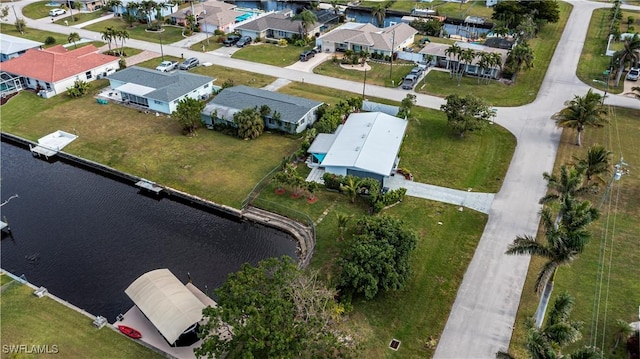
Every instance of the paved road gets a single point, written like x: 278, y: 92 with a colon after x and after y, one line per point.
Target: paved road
x: 483, y: 315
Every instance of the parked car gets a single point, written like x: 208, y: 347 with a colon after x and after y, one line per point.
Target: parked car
x: 633, y: 74
x: 417, y: 71
x: 244, y: 41
x: 57, y: 12
x: 189, y: 63
x: 409, y: 81
x: 306, y: 55
x: 166, y: 66
x: 231, y: 40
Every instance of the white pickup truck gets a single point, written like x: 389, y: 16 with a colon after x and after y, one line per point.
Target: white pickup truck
x: 166, y: 66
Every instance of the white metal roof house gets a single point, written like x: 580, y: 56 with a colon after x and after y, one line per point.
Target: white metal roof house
x: 367, y: 145
x: 296, y: 113
x: 367, y: 37
x: 12, y: 46
x: 159, y: 91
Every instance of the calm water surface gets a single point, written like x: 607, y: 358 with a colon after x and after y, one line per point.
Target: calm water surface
x: 86, y: 237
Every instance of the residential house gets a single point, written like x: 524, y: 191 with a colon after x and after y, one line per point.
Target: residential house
x: 367, y: 37
x: 51, y: 71
x: 12, y: 46
x: 436, y: 53
x: 295, y: 113
x: 159, y: 91
x: 167, y: 7
x: 212, y: 15
x: 87, y: 5
x: 276, y: 26
x: 365, y: 146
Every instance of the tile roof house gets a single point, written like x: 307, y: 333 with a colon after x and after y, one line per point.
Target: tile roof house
x: 296, y: 113
x: 212, y: 15
x: 12, y: 46
x: 440, y: 58
x: 365, y: 146
x: 367, y: 37
x: 159, y: 91
x: 51, y: 71
x: 276, y: 26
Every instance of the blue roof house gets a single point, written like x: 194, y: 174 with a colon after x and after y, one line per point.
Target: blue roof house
x: 296, y: 114
x: 159, y: 91
x: 12, y: 46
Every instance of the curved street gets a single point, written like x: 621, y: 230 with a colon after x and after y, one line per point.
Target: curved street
x: 483, y: 315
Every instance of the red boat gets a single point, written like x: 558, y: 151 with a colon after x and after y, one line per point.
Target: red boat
x: 130, y: 332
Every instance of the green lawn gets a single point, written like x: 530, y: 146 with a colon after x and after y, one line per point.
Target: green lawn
x: 593, y: 62
x: 527, y: 83
x: 169, y: 35
x: 220, y: 73
x: 212, y: 44
x: 461, y: 11
x: 378, y: 75
x: 4, y: 279
x: 38, y: 35
x: 80, y: 17
x: 29, y: 320
x: 270, y: 54
x: 211, y: 165
x: 621, y: 214
x: 37, y: 10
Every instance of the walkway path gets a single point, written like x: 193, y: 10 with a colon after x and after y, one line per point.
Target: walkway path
x: 483, y: 315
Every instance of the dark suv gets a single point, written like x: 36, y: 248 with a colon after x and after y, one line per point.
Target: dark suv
x: 244, y: 41
x: 307, y: 55
x: 231, y: 40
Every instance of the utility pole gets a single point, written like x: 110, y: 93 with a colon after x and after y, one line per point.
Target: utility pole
x: 17, y: 20
x: 393, y: 38
x: 204, y: 11
x: 364, y: 82
x: 161, y: 51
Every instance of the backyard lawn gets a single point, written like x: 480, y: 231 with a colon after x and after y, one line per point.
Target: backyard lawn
x: 619, y: 225
x: 29, y: 320
x: 271, y: 54
x: 593, y: 62
x: 526, y: 86
x: 211, y: 165
x: 378, y: 75
x: 170, y: 34
x: 221, y: 74
x: 39, y: 35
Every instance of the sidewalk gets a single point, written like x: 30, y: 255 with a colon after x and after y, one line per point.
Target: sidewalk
x: 87, y: 23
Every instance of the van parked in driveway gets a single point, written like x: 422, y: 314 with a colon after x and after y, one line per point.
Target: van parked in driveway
x: 305, y: 56
x: 57, y: 12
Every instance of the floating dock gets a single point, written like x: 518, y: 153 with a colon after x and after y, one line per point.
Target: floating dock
x: 149, y: 186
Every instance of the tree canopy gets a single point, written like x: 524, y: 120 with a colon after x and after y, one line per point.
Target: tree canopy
x: 467, y: 113
x: 275, y: 310
x: 188, y: 114
x: 377, y: 257
x: 511, y: 13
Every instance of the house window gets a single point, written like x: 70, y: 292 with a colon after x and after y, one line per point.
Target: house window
x: 88, y: 74
x: 48, y: 86
x: 157, y: 102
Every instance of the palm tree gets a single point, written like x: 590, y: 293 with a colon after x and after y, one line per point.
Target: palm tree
x: 307, y: 18
x: 596, y: 162
x: 123, y: 35
x: 334, y: 5
x: 130, y: 16
x: 559, y: 331
x: 561, y: 247
x: 343, y: 221
x: 73, y: 37
x: 484, y: 64
x: 569, y: 184
x: 630, y: 54
x: 467, y: 56
x: 622, y: 331
x: 108, y: 35
x: 450, y: 52
x: 379, y: 12
x: 496, y: 61
x: 351, y: 187
x: 113, y: 5
x: 521, y: 57
x: 582, y: 112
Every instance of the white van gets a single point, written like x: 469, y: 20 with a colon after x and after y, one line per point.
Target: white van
x: 57, y: 12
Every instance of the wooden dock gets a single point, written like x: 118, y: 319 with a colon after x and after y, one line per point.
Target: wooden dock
x: 149, y: 186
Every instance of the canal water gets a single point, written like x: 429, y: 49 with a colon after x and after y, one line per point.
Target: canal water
x: 86, y: 237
